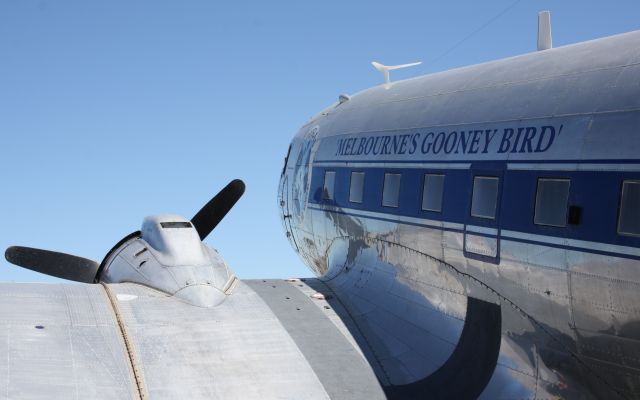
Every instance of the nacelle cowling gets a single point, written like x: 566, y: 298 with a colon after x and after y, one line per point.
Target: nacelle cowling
x: 170, y: 257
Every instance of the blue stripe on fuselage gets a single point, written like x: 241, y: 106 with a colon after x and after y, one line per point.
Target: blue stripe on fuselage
x: 596, y: 192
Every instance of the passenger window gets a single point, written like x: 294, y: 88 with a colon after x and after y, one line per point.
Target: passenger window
x: 329, y: 184
x: 391, y: 190
x: 432, y: 192
x: 629, y: 217
x: 485, y: 197
x: 552, y: 197
x: 356, y: 187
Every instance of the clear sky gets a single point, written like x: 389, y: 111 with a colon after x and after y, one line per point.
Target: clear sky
x: 114, y: 110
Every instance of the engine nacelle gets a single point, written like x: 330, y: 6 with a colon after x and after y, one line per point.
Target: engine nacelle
x: 170, y: 257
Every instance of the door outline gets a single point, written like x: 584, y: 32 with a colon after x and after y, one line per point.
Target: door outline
x: 285, y: 202
x: 484, y: 227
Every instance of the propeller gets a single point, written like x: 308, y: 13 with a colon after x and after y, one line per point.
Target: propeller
x: 74, y: 268
x: 52, y: 263
x: 214, y: 211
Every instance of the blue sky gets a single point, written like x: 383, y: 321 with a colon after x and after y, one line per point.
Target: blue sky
x: 114, y: 110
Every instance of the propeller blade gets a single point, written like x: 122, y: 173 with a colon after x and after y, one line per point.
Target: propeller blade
x: 52, y: 263
x: 214, y: 211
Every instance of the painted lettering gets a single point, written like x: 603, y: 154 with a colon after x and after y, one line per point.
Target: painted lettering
x: 475, y: 141
x: 544, y: 143
x: 376, y: 149
x: 529, y: 134
x: 368, y: 148
x: 426, y: 143
x: 438, y: 143
x: 488, y: 137
x: 450, y: 143
x: 529, y: 139
x: 414, y: 143
x: 505, y: 144
x: 462, y: 142
x: 340, y: 150
x: 515, y: 142
x: 385, y: 145
x: 403, y: 144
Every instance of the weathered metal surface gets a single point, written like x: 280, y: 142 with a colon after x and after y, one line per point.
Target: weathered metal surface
x: 238, y: 349
x: 340, y: 367
x: 63, y: 341
x: 60, y: 342
x: 129, y: 346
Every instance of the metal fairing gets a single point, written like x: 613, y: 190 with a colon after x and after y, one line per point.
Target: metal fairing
x: 447, y: 305
x: 174, y: 261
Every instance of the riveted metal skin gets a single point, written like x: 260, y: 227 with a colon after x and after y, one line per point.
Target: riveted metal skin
x: 567, y: 295
x: 169, y: 256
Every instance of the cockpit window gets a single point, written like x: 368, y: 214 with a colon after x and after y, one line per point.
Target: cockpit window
x: 485, y: 197
x: 329, y: 185
x: 175, y: 224
x: 629, y: 217
x: 391, y: 190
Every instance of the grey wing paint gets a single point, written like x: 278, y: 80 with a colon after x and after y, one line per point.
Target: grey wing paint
x: 63, y: 341
x: 403, y: 306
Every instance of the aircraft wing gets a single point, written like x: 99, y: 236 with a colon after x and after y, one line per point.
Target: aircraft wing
x: 270, y: 339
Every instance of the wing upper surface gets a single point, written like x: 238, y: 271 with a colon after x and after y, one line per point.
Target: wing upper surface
x: 269, y: 339
x: 60, y: 341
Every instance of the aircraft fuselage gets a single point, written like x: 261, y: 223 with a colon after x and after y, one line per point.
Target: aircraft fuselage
x: 513, y: 184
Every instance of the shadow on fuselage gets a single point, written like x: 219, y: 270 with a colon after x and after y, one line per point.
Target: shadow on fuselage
x: 370, y: 291
x: 473, y: 353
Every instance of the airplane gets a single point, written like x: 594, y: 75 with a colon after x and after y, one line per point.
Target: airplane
x: 474, y: 233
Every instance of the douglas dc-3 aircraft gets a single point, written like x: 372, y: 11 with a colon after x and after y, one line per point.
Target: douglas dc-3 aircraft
x: 475, y: 234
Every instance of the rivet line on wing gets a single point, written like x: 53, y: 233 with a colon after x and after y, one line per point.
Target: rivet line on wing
x: 128, y: 342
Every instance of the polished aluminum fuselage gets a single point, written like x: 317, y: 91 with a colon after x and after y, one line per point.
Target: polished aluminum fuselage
x: 568, y: 297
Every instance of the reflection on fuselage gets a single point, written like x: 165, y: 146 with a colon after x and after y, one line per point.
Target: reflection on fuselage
x: 496, y: 183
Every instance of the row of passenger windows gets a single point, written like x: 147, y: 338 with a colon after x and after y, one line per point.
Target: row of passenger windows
x: 551, y: 204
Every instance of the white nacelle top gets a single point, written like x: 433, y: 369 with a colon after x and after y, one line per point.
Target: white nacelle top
x: 169, y: 256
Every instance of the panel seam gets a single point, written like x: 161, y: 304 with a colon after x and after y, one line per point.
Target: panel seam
x: 128, y: 343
